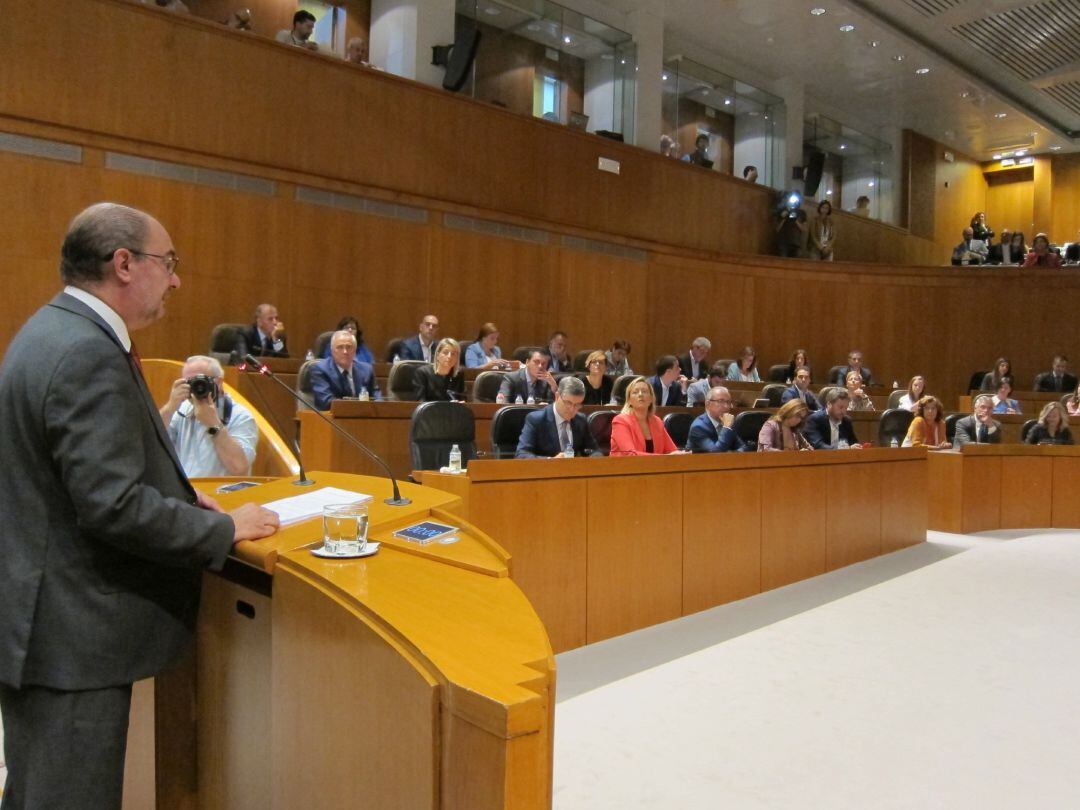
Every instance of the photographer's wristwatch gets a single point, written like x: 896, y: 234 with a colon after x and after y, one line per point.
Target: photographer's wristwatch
x: 215, y: 430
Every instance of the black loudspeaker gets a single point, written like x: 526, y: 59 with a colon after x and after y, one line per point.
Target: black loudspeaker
x: 457, y: 58
x: 814, y: 168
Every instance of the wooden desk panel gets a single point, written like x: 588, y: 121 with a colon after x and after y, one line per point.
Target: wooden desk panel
x: 793, y: 518
x: 721, y: 538
x: 904, y: 497
x: 634, y: 531
x: 852, y: 534
x: 1027, y: 493
x: 1065, y: 491
x: 981, y: 496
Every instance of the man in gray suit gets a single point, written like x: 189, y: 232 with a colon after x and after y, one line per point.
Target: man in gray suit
x: 980, y: 427
x: 102, y: 537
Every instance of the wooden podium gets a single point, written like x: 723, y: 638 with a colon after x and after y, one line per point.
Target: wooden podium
x: 420, y: 677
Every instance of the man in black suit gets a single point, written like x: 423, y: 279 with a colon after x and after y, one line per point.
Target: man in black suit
x: 549, y: 431
x: 103, y: 539
x: 561, y: 361
x: 531, y: 381
x: 826, y: 428
x: 341, y: 375
x: 800, y: 389
x: 854, y: 360
x: 1058, y: 378
x: 980, y: 427
x: 669, y: 383
x: 999, y: 252
x: 695, y: 363
x: 265, y: 337
x: 421, y: 346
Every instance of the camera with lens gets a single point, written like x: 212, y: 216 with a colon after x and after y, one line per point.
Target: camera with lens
x: 202, y: 386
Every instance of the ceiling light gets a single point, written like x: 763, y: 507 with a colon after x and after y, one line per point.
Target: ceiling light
x: 664, y: 77
x: 922, y: 71
x: 873, y: 43
x: 870, y: 184
x: 997, y: 156
x: 1021, y: 152
x: 607, y: 56
x: 533, y: 26
x: 567, y: 40
x: 817, y: 12
x: 843, y: 146
x: 1055, y: 148
x: 727, y: 102
x: 493, y: 11
x: 1000, y: 115
x: 965, y: 94
x: 622, y: 61
x: 898, y: 58
x: 704, y: 92
x: 1026, y: 161
x: 847, y: 28
x: 828, y: 193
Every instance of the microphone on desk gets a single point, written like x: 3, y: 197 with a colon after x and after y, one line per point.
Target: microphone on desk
x: 303, y: 481
x: 254, y: 363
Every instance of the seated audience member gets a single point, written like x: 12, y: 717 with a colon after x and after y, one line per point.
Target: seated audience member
x: 855, y: 363
x: 1000, y: 252
x: 1018, y: 249
x: 350, y: 324
x: 421, y: 345
x: 695, y: 363
x: 783, y: 430
x: 800, y: 358
x: 484, y: 352
x: 862, y: 206
x: 698, y: 392
x: 303, y: 26
x: 550, y: 430
x: 745, y: 368
x: 240, y: 20
x: 1041, y: 255
x: 1058, y: 377
x: 669, y: 383
x: 265, y: 337
x: 827, y: 428
x: 712, y: 431
x: 618, y: 364
x: 800, y: 389
x: 341, y: 375
x: 971, y: 250
x: 531, y: 381
x: 750, y: 174
x: 668, y: 146
x: 916, y: 390
x: 441, y: 381
x: 791, y: 231
x: 356, y: 52
x: 1052, y: 427
x: 598, y: 383
x: 637, y: 430
x: 992, y: 379
x: 1003, y: 402
x: 980, y: 427
x: 927, y: 429
x: 1072, y: 405
x: 859, y: 400
x: 700, y: 155
x: 213, y: 436
x: 561, y: 361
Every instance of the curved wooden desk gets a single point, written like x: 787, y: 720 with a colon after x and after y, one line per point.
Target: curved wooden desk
x: 603, y: 546
x: 419, y: 677
x: 993, y: 486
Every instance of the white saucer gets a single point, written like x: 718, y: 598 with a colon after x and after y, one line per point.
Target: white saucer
x: 369, y: 549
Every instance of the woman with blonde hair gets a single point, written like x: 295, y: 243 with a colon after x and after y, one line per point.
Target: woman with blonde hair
x: 783, y: 431
x: 1052, y: 427
x: 927, y: 429
x: 442, y: 380
x: 637, y: 430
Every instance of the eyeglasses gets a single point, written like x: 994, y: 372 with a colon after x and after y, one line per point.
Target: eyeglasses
x: 598, y: 363
x: 721, y: 401
x: 169, y: 260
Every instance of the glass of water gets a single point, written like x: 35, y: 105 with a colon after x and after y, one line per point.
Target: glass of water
x: 345, y: 528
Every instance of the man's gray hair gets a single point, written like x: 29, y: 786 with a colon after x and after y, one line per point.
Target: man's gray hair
x: 216, y: 371
x: 702, y: 343
x: 94, y: 235
x: 343, y: 333
x: 980, y: 398
x: 571, y: 386
x: 836, y: 393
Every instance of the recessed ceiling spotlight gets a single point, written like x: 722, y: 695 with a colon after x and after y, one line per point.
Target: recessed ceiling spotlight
x: 607, y: 56
x: 817, y: 12
x: 828, y: 193
x: 870, y: 184
x: 873, y: 43
x: 1021, y: 152
x: 664, y: 77
x: 898, y: 58
x: 843, y: 146
x: 622, y: 61
x: 567, y: 40
x: 997, y: 156
x: 494, y: 11
x: 1055, y: 148
x: 847, y: 28
x: 704, y: 92
x: 922, y: 71
x: 965, y: 94
x: 1000, y: 115
x: 727, y: 102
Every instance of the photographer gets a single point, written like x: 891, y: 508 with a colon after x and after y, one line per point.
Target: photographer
x: 791, y: 227
x: 213, y: 435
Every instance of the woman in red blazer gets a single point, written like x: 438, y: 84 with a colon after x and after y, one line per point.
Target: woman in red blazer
x: 638, y: 431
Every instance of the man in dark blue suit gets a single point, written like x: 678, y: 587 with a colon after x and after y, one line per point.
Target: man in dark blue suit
x: 341, y: 375
x: 669, y: 383
x: 548, y: 431
x: 801, y: 390
x: 712, y: 432
x: 421, y: 346
x: 825, y: 429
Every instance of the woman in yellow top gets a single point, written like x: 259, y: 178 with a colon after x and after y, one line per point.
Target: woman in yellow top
x: 928, y: 427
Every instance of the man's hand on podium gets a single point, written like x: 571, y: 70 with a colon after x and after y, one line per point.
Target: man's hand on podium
x: 253, y: 521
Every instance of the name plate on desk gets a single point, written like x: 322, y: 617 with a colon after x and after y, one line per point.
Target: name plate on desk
x: 426, y: 532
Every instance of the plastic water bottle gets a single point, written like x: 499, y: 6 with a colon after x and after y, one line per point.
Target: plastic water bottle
x: 455, y: 459
x: 530, y: 401
x: 568, y: 451
x: 518, y: 401
x: 894, y: 442
x: 310, y: 355
x: 842, y: 444
x: 364, y: 395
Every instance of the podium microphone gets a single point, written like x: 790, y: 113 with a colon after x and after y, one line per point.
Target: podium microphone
x: 303, y: 480
x: 397, y: 500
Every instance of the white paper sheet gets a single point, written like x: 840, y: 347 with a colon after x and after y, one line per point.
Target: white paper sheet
x: 310, y: 504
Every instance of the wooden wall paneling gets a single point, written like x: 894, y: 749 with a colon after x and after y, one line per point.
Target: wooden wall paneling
x: 918, y: 185
x: 1042, y: 217
x: 1010, y: 202
x: 789, y: 554
x: 1065, y: 197
x: 536, y: 536
x: 1066, y: 510
x: 904, y: 504
x: 627, y: 543
x: 721, y: 538
x: 1027, y: 493
x: 850, y: 536
x: 981, y: 495
x: 955, y: 203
